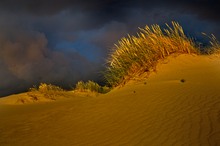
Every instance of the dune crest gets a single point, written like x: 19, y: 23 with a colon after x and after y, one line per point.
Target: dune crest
x: 179, y: 104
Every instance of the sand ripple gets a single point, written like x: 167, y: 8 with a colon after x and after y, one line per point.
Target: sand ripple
x: 164, y: 112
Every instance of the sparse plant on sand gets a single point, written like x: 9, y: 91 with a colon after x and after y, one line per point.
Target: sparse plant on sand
x: 215, y: 44
x: 91, y: 87
x: 47, y: 90
x: 135, y: 55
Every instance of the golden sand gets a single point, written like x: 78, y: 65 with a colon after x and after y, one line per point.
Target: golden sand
x: 177, y: 105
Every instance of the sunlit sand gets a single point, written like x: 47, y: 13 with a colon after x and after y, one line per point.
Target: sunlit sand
x: 177, y: 105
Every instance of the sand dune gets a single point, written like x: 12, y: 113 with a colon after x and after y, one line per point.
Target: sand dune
x: 160, y: 110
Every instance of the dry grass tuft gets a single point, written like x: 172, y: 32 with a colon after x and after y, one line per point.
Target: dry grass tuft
x: 46, y: 90
x: 91, y: 86
x: 215, y: 45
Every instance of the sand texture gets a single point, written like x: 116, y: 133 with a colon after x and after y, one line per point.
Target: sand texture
x: 179, y: 105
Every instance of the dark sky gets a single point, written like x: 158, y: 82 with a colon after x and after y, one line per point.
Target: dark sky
x: 63, y: 41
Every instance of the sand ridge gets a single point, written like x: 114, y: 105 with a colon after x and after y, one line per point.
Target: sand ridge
x: 160, y: 110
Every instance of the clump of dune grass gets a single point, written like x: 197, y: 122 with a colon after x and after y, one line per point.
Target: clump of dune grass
x: 46, y: 90
x: 91, y: 86
x: 135, y: 55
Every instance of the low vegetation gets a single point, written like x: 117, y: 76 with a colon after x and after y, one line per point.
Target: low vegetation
x: 215, y: 45
x: 47, y: 90
x: 135, y: 55
x: 52, y: 92
x: 91, y: 86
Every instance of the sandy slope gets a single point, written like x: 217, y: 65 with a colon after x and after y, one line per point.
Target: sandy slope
x: 159, y: 111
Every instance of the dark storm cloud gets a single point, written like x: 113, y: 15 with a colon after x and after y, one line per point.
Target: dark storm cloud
x: 25, y: 60
x: 63, y: 41
x: 111, y: 8
x: 47, y: 7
